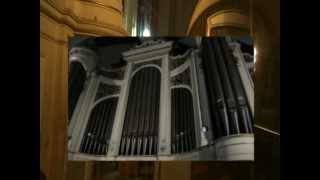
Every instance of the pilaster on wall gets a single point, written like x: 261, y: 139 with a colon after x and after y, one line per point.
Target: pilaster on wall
x: 60, y: 20
x: 54, y: 91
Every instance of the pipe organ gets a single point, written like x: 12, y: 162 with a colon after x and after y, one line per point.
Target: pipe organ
x: 191, y: 106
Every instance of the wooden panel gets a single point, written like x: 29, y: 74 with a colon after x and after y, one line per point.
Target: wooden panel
x: 178, y: 170
x: 129, y: 169
x: 222, y: 170
x: 76, y: 170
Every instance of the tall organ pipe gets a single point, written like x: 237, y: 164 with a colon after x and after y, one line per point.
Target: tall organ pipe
x: 91, y: 134
x: 138, y: 113
x: 98, y: 130
x: 228, y: 92
x: 86, y: 138
x: 145, y: 128
x: 107, y: 133
x: 102, y: 126
x: 95, y: 129
x: 142, y: 114
x: 244, y: 112
x: 216, y: 95
x: 155, y: 119
x: 182, y: 129
x: 140, y: 127
x: 132, y: 118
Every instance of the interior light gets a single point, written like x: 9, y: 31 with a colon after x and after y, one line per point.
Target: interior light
x: 146, y: 32
x: 255, y: 52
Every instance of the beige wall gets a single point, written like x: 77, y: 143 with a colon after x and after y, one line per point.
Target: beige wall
x: 60, y: 20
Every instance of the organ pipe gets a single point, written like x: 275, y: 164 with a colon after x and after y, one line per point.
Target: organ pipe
x: 139, y: 136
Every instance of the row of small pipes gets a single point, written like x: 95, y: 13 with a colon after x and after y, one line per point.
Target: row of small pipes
x: 98, y: 130
x: 182, y: 121
x: 140, y: 132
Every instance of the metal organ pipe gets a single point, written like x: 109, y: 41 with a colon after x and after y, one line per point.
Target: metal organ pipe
x: 182, y: 121
x: 142, y: 145
x: 155, y: 118
x: 107, y: 133
x: 225, y: 89
x: 98, y: 131
x: 140, y: 128
x: 228, y: 92
x: 137, y: 115
x: 213, y: 80
x: 127, y: 122
x: 242, y: 103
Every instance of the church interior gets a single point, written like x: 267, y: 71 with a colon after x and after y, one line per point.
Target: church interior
x: 62, y: 20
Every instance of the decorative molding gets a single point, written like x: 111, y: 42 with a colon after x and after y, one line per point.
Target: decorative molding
x: 54, y: 30
x: 180, y: 56
x: 46, y: 36
x: 91, y: 107
x: 100, y: 4
x: 84, y: 56
x: 149, y: 42
x: 109, y: 81
x: 182, y: 86
x: 180, y: 69
x: 147, y: 51
x: 79, y: 24
x: 145, y: 66
x: 228, y: 18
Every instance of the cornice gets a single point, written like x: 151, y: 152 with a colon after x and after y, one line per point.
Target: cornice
x: 79, y: 24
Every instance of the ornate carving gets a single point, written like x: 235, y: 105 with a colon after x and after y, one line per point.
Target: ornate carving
x: 81, y: 22
x: 149, y: 42
x: 182, y: 78
x: 176, y: 61
x: 155, y: 62
x: 117, y: 74
x: 106, y: 89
